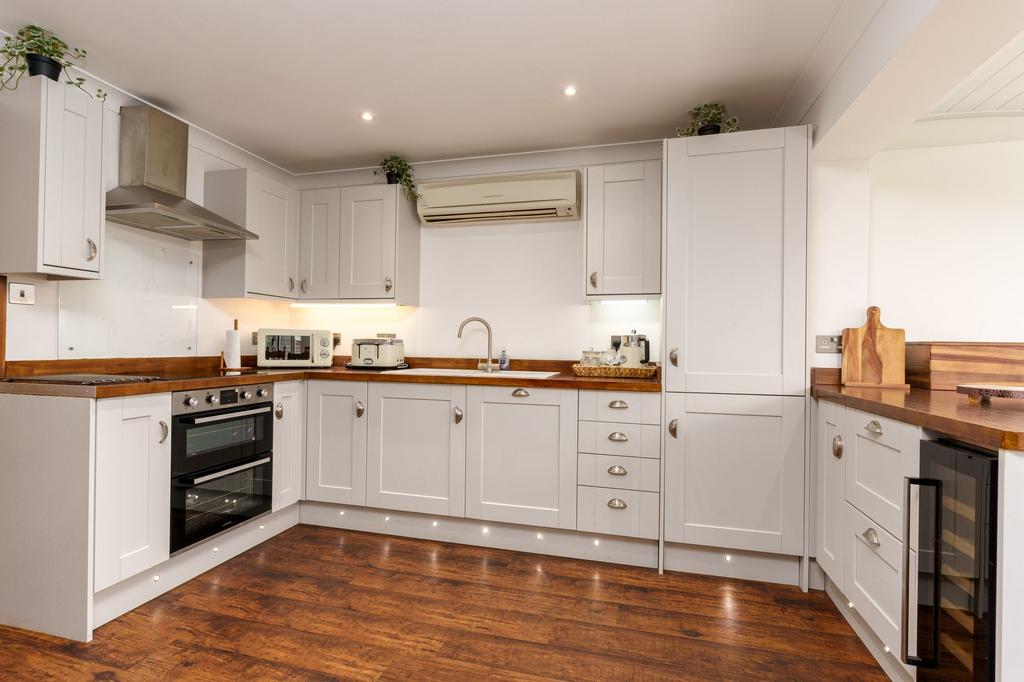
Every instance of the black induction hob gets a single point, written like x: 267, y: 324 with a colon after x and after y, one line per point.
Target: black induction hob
x: 84, y: 379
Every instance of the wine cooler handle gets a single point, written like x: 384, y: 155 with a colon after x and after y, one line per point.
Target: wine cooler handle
x: 933, y: 660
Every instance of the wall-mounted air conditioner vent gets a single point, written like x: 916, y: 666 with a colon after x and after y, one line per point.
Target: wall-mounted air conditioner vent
x: 509, y: 199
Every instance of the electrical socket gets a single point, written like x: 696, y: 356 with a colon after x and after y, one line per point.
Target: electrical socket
x: 22, y: 294
x: 828, y: 344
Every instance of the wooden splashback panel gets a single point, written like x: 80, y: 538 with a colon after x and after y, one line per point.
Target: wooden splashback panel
x: 942, y: 365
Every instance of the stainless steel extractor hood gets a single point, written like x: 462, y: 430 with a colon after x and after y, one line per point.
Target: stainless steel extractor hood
x: 152, y: 172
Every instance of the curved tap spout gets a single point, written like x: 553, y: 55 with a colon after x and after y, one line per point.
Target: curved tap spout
x: 488, y: 367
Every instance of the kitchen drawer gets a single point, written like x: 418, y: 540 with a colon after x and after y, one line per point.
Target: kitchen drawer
x: 632, y: 473
x: 879, y: 453
x: 636, y: 516
x: 520, y: 396
x: 610, y: 438
x: 620, y: 406
x: 873, y: 575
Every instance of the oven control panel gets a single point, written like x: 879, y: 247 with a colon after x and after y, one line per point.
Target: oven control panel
x: 209, y: 399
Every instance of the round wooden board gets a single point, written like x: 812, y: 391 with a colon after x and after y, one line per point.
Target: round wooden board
x: 985, y: 392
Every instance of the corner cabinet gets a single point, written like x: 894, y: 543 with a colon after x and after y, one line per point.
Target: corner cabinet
x: 336, y: 441
x: 264, y: 267
x: 133, y: 492
x: 416, y: 448
x: 623, y: 227
x: 289, y: 442
x: 51, y: 182
x: 521, y: 455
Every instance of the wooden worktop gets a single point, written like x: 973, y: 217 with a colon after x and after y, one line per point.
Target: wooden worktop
x: 189, y: 375
x: 999, y: 424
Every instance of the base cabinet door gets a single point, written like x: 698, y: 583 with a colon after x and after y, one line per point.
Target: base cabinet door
x: 416, y: 448
x: 133, y: 486
x: 336, y: 424
x: 289, y: 442
x: 521, y: 455
x: 734, y: 471
x: 831, y: 501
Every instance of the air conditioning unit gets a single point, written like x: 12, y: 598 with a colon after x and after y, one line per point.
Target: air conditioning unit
x: 537, y: 197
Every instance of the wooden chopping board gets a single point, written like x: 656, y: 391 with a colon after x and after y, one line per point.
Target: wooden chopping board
x: 874, y: 355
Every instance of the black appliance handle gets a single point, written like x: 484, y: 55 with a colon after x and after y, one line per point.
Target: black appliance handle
x: 225, y: 472
x: 933, y: 660
x: 227, y: 415
x: 647, y: 351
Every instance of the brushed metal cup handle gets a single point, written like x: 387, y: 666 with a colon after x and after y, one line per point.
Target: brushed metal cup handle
x: 673, y: 357
x: 874, y: 427
x: 388, y: 284
x: 673, y: 428
x: 279, y: 410
x: 164, y: 431
x: 616, y: 503
x: 618, y: 405
x: 520, y: 393
x: 837, y: 447
x: 618, y: 437
x: 303, y: 286
x: 93, y: 250
x: 617, y: 470
x: 459, y: 414
x: 291, y: 284
x: 360, y: 408
x: 593, y: 279
x: 871, y: 535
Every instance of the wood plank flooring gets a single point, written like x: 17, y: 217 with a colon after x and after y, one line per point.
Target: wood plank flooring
x: 319, y: 603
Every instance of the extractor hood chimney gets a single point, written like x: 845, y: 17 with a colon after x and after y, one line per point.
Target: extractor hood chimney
x: 151, y: 175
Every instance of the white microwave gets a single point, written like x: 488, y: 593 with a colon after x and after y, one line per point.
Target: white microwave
x: 294, y: 348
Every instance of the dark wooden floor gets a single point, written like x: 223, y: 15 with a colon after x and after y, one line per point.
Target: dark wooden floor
x: 317, y: 603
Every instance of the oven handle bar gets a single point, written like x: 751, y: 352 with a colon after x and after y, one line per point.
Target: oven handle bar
x: 230, y: 415
x: 227, y: 472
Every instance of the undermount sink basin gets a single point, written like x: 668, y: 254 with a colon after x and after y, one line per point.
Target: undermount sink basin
x: 477, y: 373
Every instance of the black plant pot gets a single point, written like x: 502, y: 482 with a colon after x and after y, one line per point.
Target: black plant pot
x: 709, y: 129
x: 392, y: 178
x: 38, y: 65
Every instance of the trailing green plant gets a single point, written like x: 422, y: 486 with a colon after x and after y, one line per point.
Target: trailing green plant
x: 711, y: 113
x: 402, y: 170
x: 34, y: 39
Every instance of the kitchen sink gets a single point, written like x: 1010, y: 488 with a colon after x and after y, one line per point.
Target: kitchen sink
x: 433, y: 372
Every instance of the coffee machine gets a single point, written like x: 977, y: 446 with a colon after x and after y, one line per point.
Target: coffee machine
x: 634, y: 349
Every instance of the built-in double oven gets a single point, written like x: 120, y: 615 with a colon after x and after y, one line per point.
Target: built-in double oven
x: 221, y: 460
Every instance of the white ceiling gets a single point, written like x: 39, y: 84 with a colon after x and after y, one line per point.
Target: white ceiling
x: 288, y: 79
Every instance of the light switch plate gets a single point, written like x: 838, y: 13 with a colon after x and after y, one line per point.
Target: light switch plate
x: 828, y: 344
x: 22, y: 294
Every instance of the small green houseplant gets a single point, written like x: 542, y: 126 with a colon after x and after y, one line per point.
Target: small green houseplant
x: 398, y: 171
x: 709, y: 119
x: 39, y: 52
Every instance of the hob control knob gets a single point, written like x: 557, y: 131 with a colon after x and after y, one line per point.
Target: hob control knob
x: 246, y: 395
x: 213, y: 399
x: 261, y: 393
x: 190, y: 401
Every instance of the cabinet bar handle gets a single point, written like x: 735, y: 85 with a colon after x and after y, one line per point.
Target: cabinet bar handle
x: 617, y: 470
x: 618, y: 437
x: 871, y: 535
x: 360, y: 408
x: 673, y: 357
x: 837, y: 447
x: 279, y: 411
x: 618, y: 405
x: 93, y: 250
x: 458, y: 415
x: 593, y: 279
x: 673, y: 428
x: 616, y: 503
x: 388, y: 284
x: 164, y: 431
x: 874, y: 427
x: 520, y: 393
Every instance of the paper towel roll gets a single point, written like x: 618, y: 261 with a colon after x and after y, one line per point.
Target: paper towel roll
x: 232, y: 349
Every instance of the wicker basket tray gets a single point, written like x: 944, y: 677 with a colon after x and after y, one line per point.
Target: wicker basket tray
x: 615, y: 372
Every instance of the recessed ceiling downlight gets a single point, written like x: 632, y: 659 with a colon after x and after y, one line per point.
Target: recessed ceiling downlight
x: 570, y: 90
x: 366, y: 116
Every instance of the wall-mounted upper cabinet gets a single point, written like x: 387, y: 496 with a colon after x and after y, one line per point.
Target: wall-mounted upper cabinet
x: 319, y: 243
x: 264, y: 267
x: 624, y: 229
x: 51, y: 180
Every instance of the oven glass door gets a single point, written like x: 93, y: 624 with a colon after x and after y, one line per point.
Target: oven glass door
x: 290, y: 347
x: 205, y: 441
x: 205, y: 505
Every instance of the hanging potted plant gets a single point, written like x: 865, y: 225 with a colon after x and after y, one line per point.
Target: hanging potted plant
x: 398, y: 171
x: 709, y: 119
x: 39, y: 52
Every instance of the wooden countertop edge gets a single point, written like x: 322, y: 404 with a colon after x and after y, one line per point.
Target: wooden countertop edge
x: 966, y: 430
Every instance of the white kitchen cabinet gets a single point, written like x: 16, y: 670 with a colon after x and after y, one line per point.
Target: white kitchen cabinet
x: 521, y: 455
x: 289, y: 442
x: 416, y: 448
x: 736, y: 226
x: 620, y: 406
x: 267, y: 266
x: 734, y: 471
x: 319, y: 243
x: 133, y: 491
x: 624, y: 228
x: 831, y: 499
x: 612, y: 511
x: 51, y: 181
x: 336, y: 429
x: 380, y: 245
